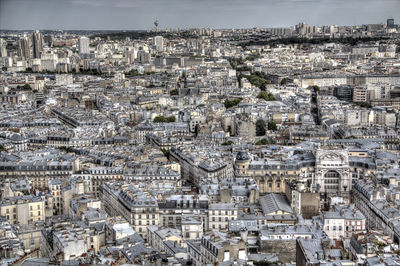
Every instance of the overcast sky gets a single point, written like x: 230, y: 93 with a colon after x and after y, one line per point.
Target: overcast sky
x: 140, y: 14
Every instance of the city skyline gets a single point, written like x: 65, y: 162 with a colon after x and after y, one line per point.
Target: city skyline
x: 139, y: 15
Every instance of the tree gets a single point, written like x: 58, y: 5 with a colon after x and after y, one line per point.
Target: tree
x: 260, y: 127
x: 132, y: 73
x: 227, y: 143
x: 257, y: 81
x: 163, y: 119
x: 171, y: 119
x: 244, y: 69
x: 272, y: 126
x: 26, y: 87
x: 174, y: 92
x: 2, y: 148
x: 252, y: 57
x: 284, y: 81
x: 231, y: 103
x: 315, y: 88
x: 267, y: 96
x: 364, y: 104
x: 159, y: 119
x: 263, y: 141
x: 166, y: 152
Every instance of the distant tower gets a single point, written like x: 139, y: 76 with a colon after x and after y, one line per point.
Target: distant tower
x: 37, y: 41
x: 156, y: 23
x: 158, y: 42
x: 390, y: 23
x: 3, y: 48
x: 24, y: 47
x: 84, y: 45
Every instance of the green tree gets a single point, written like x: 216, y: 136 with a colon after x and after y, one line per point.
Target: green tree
x: 244, y: 68
x: 284, y: 81
x: 166, y: 152
x: 2, y: 148
x: 314, y: 88
x: 174, y: 92
x: 171, y: 119
x: 132, y: 73
x: 26, y: 87
x: 231, y: 103
x: 159, y: 119
x: 267, y: 96
x: 364, y: 104
x: 227, y: 143
x: 272, y: 126
x: 163, y: 119
x: 252, y: 57
x: 262, y: 141
x: 260, y: 127
x: 256, y: 81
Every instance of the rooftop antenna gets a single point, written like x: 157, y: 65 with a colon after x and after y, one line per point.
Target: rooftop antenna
x: 156, y: 23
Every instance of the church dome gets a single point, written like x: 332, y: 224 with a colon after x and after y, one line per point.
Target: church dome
x: 242, y: 156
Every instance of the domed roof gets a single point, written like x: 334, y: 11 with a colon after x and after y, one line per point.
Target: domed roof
x: 242, y: 156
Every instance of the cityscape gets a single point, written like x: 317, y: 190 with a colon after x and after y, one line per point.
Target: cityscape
x: 200, y: 145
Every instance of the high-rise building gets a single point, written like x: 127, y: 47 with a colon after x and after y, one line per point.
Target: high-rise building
x: 3, y: 48
x: 158, y: 42
x: 37, y: 44
x: 24, y: 48
x: 390, y: 23
x: 84, y: 45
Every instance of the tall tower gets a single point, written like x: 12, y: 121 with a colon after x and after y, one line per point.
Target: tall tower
x: 24, y: 48
x: 3, y: 48
x: 37, y: 43
x: 156, y: 23
x: 390, y: 23
x: 84, y: 45
x: 158, y: 42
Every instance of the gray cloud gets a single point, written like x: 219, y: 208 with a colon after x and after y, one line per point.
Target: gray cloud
x: 139, y: 14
